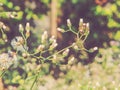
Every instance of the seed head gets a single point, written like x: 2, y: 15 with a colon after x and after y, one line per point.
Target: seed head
x: 21, y: 29
x: 7, y: 59
x: 18, y: 43
x: 40, y: 48
x: 69, y: 23
x: 27, y: 27
x: 65, y: 53
x: 61, y: 30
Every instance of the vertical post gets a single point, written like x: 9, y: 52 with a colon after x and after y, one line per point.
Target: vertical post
x: 53, y: 18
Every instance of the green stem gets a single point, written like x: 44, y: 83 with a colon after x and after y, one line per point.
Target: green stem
x: 59, y: 51
x: 24, y: 40
x: 2, y: 73
x: 86, y: 35
x: 72, y: 30
x: 34, y: 82
x: 41, y: 52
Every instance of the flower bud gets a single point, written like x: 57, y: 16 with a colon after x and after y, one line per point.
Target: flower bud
x: 65, y: 53
x: 87, y: 28
x: 52, y: 39
x: 80, y: 22
x: 21, y: 29
x: 27, y: 27
x: 76, y: 47
x: 54, y: 60
x: 40, y: 48
x: 61, y: 30
x: 69, y: 23
x: 4, y: 27
x: 53, y: 46
x: 95, y: 48
x: 71, y: 61
x: 25, y: 55
x: 87, y: 25
x: 27, y: 34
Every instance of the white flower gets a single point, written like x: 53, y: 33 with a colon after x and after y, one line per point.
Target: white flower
x: 18, y: 43
x: 71, y: 61
x: 52, y: 39
x: 95, y: 48
x: 60, y: 29
x: 7, y: 59
x: 69, y: 23
x: 53, y: 45
x: 21, y: 29
x: 40, y: 48
x: 66, y: 52
x: 27, y: 27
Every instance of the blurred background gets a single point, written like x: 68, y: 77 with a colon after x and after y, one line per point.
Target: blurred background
x: 103, y: 16
x: 47, y: 15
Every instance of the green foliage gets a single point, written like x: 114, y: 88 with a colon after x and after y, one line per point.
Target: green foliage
x: 45, y: 1
x: 117, y: 36
x: 74, y: 1
x: 107, y: 10
x: 43, y: 65
x: 31, y: 66
x: 113, y: 24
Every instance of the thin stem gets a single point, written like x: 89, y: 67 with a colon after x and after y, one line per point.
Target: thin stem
x: 24, y: 40
x: 66, y: 31
x: 2, y: 73
x: 34, y: 82
x: 41, y: 52
x: 32, y: 54
x: 86, y: 35
x: 44, y: 52
x: 59, y: 51
x: 86, y: 50
x: 72, y: 30
x: 38, y: 57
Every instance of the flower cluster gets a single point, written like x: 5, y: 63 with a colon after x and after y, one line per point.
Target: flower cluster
x: 18, y: 43
x: 7, y: 59
x: 45, y: 53
x: 83, y: 27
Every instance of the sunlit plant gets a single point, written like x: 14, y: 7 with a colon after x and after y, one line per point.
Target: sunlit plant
x: 46, y: 51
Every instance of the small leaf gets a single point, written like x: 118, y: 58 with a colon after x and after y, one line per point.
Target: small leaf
x: 114, y: 8
x: 117, y: 36
x: 10, y: 5
x: 74, y: 1
x: 98, y: 10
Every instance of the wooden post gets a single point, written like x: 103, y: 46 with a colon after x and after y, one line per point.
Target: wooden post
x: 53, y: 18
